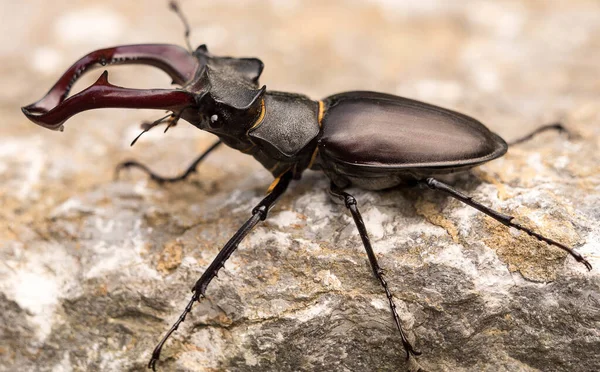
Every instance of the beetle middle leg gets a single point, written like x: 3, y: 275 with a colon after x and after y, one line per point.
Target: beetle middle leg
x: 350, y: 203
x: 192, y: 168
x: 506, y: 220
x: 259, y: 213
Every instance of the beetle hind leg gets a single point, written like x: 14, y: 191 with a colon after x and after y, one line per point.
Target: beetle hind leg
x: 192, y: 168
x: 506, y: 220
x: 350, y: 203
x: 559, y: 127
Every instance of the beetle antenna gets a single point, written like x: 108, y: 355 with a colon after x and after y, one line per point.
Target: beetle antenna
x: 175, y: 7
x: 172, y: 121
x: 147, y: 126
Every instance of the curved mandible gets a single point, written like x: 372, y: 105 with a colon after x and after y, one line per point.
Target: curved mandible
x: 102, y: 94
x: 177, y: 62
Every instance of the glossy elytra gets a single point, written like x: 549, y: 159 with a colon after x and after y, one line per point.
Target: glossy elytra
x: 365, y: 139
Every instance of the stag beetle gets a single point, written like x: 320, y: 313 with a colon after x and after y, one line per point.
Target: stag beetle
x: 365, y: 139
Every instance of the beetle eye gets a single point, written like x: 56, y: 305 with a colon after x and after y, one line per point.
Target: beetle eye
x: 214, y: 121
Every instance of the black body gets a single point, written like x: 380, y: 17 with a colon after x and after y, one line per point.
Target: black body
x: 371, y: 140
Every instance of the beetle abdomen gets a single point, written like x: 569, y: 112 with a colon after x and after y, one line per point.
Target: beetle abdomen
x: 365, y: 130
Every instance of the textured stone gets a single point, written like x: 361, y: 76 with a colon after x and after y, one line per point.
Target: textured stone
x: 95, y: 270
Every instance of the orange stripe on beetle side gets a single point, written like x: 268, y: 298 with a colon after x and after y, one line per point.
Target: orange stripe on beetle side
x: 319, y: 120
x: 261, y: 116
x: 321, y: 113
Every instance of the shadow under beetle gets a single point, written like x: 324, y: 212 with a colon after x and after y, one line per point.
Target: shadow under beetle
x: 365, y: 139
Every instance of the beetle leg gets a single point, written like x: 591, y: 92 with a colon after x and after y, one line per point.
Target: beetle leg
x: 174, y: 6
x: 259, y: 213
x: 437, y: 185
x: 161, y: 179
x: 554, y: 126
x: 351, y: 204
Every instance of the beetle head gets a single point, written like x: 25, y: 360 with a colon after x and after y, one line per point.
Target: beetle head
x: 248, y: 69
x: 190, y: 70
x: 226, y: 104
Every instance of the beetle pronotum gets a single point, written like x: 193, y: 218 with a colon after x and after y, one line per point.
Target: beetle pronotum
x: 365, y: 139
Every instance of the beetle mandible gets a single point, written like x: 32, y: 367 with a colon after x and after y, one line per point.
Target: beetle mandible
x: 365, y: 139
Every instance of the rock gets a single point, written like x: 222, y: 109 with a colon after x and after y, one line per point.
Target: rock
x: 95, y: 270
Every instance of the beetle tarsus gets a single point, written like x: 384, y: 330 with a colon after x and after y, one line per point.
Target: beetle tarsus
x: 559, y: 127
x: 157, y: 350
x: 192, y: 168
x: 507, y: 220
x: 259, y: 213
x: 351, y: 204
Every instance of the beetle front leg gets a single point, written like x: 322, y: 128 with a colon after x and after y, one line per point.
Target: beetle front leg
x: 192, y: 168
x: 506, y: 220
x: 259, y: 213
x: 350, y: 203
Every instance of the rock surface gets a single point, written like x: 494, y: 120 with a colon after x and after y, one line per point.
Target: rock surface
x: 95, y: 270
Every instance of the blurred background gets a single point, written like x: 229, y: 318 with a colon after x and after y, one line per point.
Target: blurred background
x: 514, y: 65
